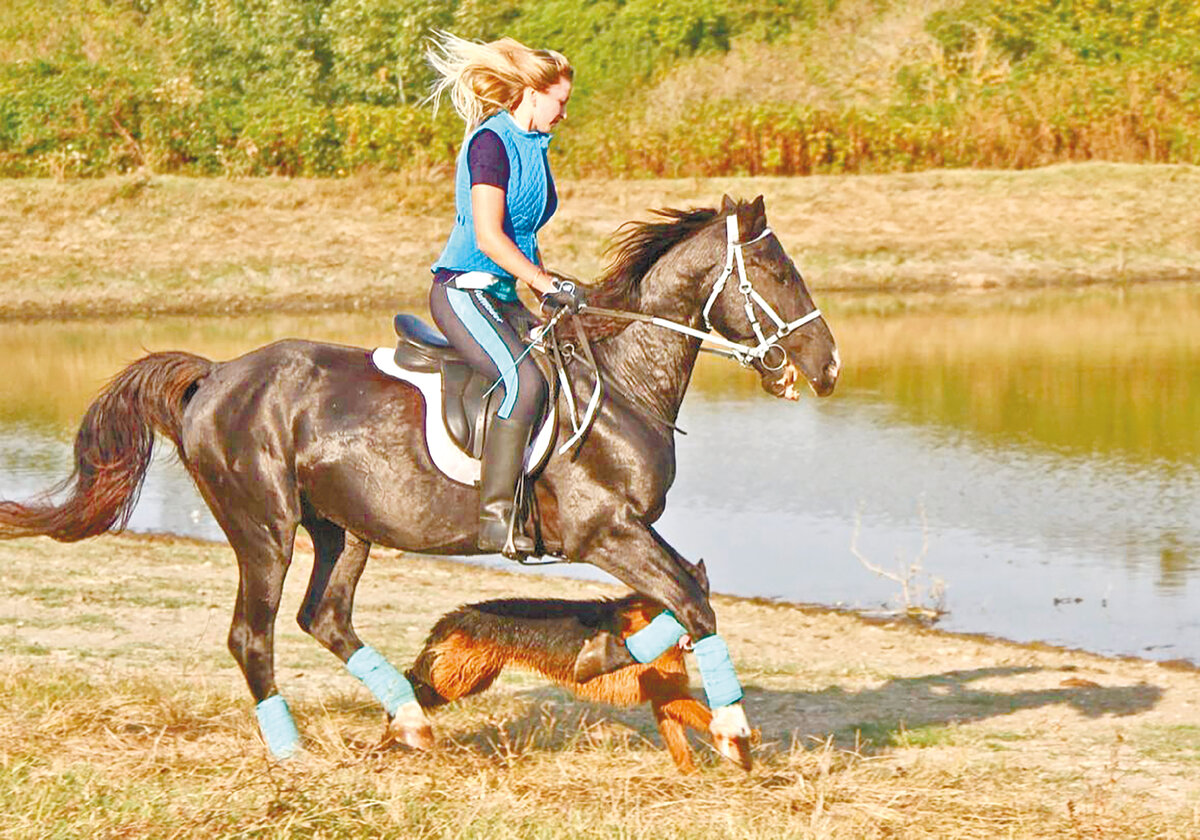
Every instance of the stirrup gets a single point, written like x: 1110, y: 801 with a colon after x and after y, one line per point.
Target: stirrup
x: 514, y: 544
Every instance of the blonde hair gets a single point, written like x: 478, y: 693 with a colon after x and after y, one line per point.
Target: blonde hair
x: 483, y: 79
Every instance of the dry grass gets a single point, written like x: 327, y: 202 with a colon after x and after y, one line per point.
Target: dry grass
x: 123, y: 716
x: 143, y: 245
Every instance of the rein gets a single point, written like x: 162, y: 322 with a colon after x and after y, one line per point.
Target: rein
x: 734, y: 261
x: 562, y: 353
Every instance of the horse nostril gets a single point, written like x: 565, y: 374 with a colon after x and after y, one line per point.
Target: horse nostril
x: 835, y: 365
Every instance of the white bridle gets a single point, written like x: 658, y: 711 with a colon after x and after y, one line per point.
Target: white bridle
x: 723, y: 346
x: 745, y: 355
x: 734, y: 259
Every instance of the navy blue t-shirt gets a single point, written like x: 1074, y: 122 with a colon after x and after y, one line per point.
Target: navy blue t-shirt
x: 487, y: 161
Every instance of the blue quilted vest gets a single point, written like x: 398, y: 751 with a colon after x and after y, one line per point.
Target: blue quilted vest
x: 528, y: 183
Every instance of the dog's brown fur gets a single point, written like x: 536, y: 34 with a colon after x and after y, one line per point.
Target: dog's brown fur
x: 469, y: 647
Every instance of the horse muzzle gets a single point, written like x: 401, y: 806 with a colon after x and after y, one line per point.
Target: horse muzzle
x: 827, y: 376
x: 787, y: 382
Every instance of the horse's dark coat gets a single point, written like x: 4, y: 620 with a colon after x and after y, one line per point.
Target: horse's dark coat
x: 304, y: 434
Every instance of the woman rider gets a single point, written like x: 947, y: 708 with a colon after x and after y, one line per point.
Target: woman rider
x: 510, y: 97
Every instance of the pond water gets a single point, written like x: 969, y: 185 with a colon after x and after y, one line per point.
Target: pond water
x: 1030, y: 465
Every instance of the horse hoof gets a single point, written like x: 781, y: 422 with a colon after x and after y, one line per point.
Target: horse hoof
x: 736, y: 750
x: 601, y: 654
x: 411, y: 728
x: 731, y: 734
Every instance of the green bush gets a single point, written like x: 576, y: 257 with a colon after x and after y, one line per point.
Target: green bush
x: 322, y: 87
x: 297, y: 87
x: 1036, y: 33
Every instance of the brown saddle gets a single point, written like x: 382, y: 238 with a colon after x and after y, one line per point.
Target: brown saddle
x: 469, y: 399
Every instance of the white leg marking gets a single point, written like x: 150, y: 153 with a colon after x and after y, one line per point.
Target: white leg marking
x: 730, y: 722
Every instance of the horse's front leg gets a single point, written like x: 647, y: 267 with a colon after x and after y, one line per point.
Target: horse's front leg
x: 635, y: 554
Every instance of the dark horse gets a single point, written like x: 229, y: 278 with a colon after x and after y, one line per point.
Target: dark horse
x: 305, y: 434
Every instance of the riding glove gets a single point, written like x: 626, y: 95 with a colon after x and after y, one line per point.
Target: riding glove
x: 566, y: 294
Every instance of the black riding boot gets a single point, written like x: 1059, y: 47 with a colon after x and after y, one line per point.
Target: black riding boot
x: 503, y: 463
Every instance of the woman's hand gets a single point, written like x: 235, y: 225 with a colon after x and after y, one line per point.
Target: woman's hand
x: 566, y: 294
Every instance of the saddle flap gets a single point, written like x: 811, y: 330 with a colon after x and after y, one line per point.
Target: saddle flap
x: 467, y: 397
x: 454, y: 456
x: 456, y: 378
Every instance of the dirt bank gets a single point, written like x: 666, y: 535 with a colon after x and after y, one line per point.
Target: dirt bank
x: 148, y: 245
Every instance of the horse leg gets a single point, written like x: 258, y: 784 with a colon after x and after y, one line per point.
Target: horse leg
x: 327, y: 616
x: 634, y: 553
x: 261, y: 570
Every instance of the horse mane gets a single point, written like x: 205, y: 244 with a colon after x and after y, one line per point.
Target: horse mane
x: 635, y: 248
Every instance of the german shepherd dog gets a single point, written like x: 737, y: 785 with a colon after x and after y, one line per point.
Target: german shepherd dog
x: 469, y: 647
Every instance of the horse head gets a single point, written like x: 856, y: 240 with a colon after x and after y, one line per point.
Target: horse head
x: 760, y: 301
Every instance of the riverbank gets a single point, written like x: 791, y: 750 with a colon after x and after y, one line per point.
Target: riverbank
x: 125, y: 716
x: 146, y: 244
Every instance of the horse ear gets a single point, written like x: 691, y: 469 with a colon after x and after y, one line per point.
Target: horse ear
x: 728, y: 205
x: 752, y: 218
x: 701, y: 575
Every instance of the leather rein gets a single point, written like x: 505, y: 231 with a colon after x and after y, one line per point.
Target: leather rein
x: 563, y: 352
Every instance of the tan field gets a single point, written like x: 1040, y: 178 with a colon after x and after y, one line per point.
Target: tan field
x: 148, y: 244
x: 124, y: 716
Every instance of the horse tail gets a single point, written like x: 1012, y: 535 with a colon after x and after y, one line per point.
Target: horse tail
x: 113, y: 448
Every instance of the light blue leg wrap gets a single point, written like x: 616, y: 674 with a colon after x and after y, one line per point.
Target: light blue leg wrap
x: 387, y: 684
x: 721, y: 684
x: 278, y: 728
x: 655, y: 638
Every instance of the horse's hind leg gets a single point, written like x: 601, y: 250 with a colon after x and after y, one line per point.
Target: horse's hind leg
x: 327, y: 615
x: 262, y: 567
x: 337, y: 565
x: 255, y: 507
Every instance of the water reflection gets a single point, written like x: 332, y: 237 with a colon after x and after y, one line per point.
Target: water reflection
x: 1040, y: 458
x: 1099, y: 373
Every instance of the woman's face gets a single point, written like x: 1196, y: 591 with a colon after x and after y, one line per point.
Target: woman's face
x: 549, y: 105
